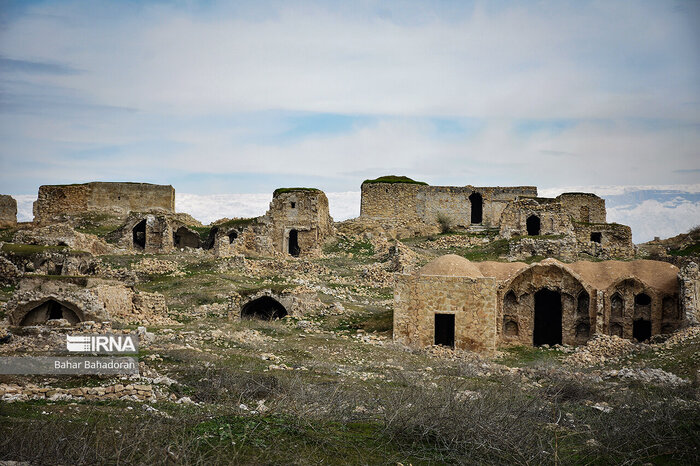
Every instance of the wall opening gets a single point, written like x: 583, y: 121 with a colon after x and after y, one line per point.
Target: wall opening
x: 641, y: 329
x: 510, y: 327
x: 477, y: 207
x: 616, y: 329
x: 49, y: 310
x: 265, y: 308
x: 445, y: 330
x: 232, y: 236
x: 582, y: 304
x: 294, y: 249
x: 139, y: 234
x: 211, y: 239
x: 585, y: 214
x: 616, y: 306
x: 583, y: 332
x: 184, y: 238
x: 293, y: 204
x: 547, y: 329
x: 596, y: 237
x: 533, y: 225
x: 642, y: 306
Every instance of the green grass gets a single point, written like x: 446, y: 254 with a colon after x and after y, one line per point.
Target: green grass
x: 279, y: 191
x: 392, y: 179
x: 521, y: 356
x: 236, y: 222
x: 346, y: 245
x: 692, y: 250
x: 30, y: 249
x: 6, y: 234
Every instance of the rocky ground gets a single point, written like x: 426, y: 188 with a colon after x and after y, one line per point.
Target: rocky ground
x: 330, y: 386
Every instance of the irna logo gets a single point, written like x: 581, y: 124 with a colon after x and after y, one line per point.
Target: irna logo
x: 110, y: 344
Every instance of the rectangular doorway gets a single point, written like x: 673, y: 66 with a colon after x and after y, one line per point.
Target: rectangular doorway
x: 445, y: 330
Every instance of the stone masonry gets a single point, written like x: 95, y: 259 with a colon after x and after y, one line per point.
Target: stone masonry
x: 8, y: 211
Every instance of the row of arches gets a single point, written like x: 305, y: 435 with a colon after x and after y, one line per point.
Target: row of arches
x: 549, y: 305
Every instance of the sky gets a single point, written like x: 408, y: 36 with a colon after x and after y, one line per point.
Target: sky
x: 222, y: 97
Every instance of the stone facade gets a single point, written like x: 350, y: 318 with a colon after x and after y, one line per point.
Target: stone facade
x: 414, y: 209
x: 8, y: 211
x: 297, y: 223
x: 149, y: 233
x: 37, y: 301
x: 267, y: 305
x: 580, y: 217
x: 119, y: 198
x: 544, y: 303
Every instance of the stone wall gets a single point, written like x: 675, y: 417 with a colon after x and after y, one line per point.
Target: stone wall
x: 516, y: 298
x: 472, y: 301
x: 149, y: 233
x: 8, y: 211
x: 604, y: 240
x: 413, y: 209
x: 553, y: 218
x: 121, y: 198
x: 584, y: 207
x: 689, y: 277
x: 295, y: 211
x: 133, y: 392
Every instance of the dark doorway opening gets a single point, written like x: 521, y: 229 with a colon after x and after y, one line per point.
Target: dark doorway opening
x: 184, y: 238
x: 265, y: 308
x: 533, y: 225
x: 294, y: 243
x: 139, y: 234
x: 445, y: 330
x: 211, y: 239
x: 547, y: 318
x: 232, y: 236
x: 596, y: 237
x: 49, y: 310
x: 477, y: 204
x: 641, y: 329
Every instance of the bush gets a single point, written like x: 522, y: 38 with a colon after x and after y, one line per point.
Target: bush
x: 445, y: 222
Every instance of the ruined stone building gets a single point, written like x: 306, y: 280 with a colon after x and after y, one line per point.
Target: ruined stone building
x: 8, y: 211
x: 57, y: 200
x: 478, y: 305
x: 297, y: 224
x: 567, y: 225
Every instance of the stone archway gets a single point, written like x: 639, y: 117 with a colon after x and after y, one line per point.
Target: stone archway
x: 294, y: 249
x: 265, y: 308
x: 139, y: 234
x: 50, y: 309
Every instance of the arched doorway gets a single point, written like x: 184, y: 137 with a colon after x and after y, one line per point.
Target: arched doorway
x: 211, y: 238
x: 533, y: 225
x: 477, y: 208
x: 641, y: 326
x: 265, y: 308
x: 233, y: 234
x: 184, y: 238
x: 294, y: 249
x: 139, y: 234
x: 547, y: 329
x: 49, y: 310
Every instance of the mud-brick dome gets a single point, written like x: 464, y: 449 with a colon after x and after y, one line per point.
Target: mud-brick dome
x: 451, y: 265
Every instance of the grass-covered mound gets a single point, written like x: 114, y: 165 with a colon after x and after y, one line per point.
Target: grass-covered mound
x: 279, y: 191
x: 394, y: 179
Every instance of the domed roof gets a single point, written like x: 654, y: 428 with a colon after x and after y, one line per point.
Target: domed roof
x: 451, y: 265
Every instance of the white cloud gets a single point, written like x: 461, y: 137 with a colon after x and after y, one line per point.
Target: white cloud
x: 652, y: 218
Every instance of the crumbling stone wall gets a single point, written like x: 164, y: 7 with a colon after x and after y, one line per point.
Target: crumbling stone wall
x: 472, y: 301
x: 689, y: 277
x: 8, y: 211
x: 553, y: 219
x: 62, y: 234
x: 296, y: 303
x: 149, y: 233
x: 604, y: 240
x: 413, y: 209
x: 293, y: 211
x: 54, y: 200
x: 584, y: 207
